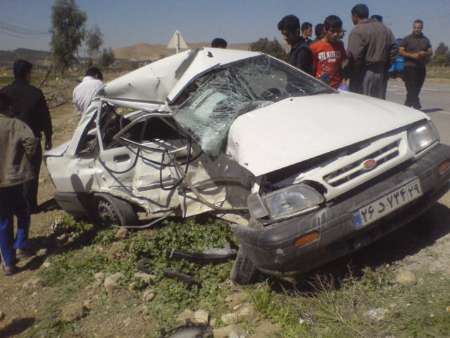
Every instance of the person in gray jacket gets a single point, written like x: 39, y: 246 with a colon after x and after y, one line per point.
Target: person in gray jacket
x: 17, y: 148
x: 370, y: 46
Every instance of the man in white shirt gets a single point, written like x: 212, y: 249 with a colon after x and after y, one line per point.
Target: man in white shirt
x: 89, y: 87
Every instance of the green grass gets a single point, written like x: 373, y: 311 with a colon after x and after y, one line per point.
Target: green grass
x: 436, y: 72
x: 329, y: 307
x: 72, y: 271
x: 331, y: 311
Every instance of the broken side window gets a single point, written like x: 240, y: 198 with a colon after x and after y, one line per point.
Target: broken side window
x: 211, y: 103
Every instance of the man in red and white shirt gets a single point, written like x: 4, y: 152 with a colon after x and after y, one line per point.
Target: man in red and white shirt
x: 329, y: 53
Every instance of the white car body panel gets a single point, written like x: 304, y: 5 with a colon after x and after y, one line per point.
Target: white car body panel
x: 298, y: 129
x: 160, y: 81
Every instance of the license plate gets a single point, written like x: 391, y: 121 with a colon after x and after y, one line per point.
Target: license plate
x: 387, y: 204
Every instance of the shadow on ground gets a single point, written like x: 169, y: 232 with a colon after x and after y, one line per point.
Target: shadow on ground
x: 16, y: 327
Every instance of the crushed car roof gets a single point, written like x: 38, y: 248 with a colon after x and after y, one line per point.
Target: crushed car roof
x: 162, y: 81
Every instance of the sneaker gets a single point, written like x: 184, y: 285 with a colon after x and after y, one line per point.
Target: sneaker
x: 9, y: 270
x: 24, y: 253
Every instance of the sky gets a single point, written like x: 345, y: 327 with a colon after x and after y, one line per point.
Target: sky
x: 127, y: 22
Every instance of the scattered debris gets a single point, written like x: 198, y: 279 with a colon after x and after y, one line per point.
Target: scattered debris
x: 144, y: 277
x: 42, y: 252
x: 190, y: 331
x: 210, y: 256
x: 46, y: 265
x: 112, y: 282
x: 144, y: 265
x: 121, y: 233
x: 406, y: 278
x: 182, y: 277
x: 236, y: 298
x: 201, y: 317
x: 185, y: 316
x: 148, y: 296
x: 62, y: 238
x: 229, y: 331
x: 244, y: 312
x: 377, y: 314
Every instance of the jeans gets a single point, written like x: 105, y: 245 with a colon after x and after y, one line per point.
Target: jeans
x: 414, y: 78
x: 13, y: 202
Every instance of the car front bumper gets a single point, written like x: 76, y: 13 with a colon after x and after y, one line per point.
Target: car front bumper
x: 273, y: 250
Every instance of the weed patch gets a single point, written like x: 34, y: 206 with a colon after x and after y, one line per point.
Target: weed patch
x: 342, y: 309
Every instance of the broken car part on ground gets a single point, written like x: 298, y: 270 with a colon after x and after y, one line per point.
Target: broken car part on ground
x: 304, y: 173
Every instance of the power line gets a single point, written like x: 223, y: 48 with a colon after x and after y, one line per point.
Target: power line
x: 21, y: 30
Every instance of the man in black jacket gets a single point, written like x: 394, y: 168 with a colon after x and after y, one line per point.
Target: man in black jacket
x: 300, y: 55
x: 29, y: 105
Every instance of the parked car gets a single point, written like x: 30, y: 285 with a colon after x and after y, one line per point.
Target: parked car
x: 304, y: 173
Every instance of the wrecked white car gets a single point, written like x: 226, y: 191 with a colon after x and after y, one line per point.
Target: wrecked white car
x: 305, y: 173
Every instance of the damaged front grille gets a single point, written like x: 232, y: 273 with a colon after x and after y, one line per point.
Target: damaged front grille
x: 356, y: 169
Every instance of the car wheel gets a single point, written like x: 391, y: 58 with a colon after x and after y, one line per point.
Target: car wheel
x: 243, y: 271
x: 114, y: 211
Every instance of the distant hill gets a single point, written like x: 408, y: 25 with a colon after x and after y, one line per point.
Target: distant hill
x: 145, y: 51
x: 34, y: 56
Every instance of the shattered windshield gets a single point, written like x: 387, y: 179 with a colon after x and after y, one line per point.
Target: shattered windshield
x: 210, y: 104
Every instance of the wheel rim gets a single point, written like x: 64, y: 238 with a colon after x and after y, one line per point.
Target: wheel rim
x: 107, y: 214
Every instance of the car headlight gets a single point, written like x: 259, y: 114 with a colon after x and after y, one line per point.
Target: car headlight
x: 287, y: 202
x: 422, y: 136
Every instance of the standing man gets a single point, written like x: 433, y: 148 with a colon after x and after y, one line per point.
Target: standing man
x: 89, y: 87
x: 416, y: 48
x: 369, y: 48
x: 307, y: 30
x: 329, y: 53
x: 300, y: 55
x: 17, y: 148
x: 29, y: 105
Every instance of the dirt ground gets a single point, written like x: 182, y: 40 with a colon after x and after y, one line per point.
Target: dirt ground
x: 423, y: 246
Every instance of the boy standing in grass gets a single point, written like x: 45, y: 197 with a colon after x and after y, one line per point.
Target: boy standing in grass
x: 329, y: 53
x: 17, y: 148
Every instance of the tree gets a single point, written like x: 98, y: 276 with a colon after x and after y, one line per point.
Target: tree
x: 441, y: 55
x: 68, y: 31
x: 107, y: 57
x: 94, y: 40
x: 273, y: 48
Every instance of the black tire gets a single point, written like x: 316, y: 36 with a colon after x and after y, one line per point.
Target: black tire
x: 111, y: 210
x: 244, y: 271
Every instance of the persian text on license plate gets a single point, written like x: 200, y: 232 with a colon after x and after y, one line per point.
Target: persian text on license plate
x: 387, y: 204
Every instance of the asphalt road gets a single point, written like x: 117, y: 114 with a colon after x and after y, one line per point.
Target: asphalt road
x: 435, y: 99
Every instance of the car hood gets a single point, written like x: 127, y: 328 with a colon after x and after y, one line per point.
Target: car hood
x: 297, y: 129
